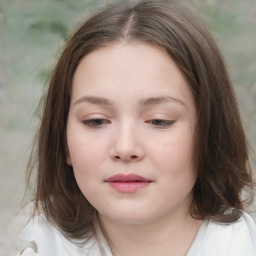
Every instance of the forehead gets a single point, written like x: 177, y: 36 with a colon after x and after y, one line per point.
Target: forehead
x: 134, y: 69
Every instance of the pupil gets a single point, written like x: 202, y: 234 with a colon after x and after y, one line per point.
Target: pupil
x: 97, y: 122
x: 158, y: 122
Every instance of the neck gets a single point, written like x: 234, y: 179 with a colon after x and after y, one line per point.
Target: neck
x: 171, y: 235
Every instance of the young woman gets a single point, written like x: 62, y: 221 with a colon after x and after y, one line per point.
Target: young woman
x: 141, y: 149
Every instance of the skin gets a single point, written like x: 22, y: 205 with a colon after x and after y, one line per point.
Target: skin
x: 132, y: 111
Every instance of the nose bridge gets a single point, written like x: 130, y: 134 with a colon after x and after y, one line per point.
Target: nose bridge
x: 126, y: 137
x: 127, y: 144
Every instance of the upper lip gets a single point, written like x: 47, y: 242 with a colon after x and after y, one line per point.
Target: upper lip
x: 127, y: 178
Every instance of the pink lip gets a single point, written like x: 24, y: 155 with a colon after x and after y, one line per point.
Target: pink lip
x: 129, y: 183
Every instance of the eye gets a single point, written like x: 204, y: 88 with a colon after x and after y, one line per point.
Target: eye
x: 96, y: 122
x: 161, y: 123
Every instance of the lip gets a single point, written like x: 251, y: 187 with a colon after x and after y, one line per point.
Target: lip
x: 128, y: 183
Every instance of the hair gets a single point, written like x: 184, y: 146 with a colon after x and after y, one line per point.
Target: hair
x: 221, y: 150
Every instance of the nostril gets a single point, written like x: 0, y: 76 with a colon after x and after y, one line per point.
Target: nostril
x: 133, y: 157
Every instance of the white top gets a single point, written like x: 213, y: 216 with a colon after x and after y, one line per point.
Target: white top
x: 39, y: 238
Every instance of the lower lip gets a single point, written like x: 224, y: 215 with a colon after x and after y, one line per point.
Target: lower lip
x: 128, y: 187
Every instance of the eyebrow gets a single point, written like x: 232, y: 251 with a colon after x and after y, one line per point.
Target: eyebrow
x: 142, y: 102
x: 160, y: 100
x: 95, y: 100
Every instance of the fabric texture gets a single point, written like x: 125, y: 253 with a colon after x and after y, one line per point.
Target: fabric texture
x: 36, y: 237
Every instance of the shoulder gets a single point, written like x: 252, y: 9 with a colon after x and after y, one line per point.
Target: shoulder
x: 37, y: 237
x: 244, y: 235
x: 236, y: 239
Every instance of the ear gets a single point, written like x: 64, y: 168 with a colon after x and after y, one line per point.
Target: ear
x: 69, y: 161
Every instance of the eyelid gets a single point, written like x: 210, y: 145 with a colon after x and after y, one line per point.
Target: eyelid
x: 95, y: 116
x: 95, y: 123
x: 160, y: 123
x: 165, y: 120
x: 95, y: 120
x: 161, y: 116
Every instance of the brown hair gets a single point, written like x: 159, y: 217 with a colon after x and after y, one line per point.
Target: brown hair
x: 221, y: 148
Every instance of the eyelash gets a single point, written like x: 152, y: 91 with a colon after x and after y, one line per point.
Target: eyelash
x: 96, y: 122
x: 99, y: 122
x: 161, y: 123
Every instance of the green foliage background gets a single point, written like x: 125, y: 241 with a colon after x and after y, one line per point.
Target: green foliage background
x: 32, y: 33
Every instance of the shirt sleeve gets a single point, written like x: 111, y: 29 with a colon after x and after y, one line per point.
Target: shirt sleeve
x: 35, y: 236
x: 244, y: 237
x: 235, y: 239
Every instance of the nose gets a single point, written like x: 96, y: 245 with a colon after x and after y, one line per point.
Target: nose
x: 127, y: 145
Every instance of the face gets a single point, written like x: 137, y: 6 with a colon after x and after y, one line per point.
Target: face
x: 130, y: 133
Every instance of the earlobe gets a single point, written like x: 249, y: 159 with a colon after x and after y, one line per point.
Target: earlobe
x: 69, y: 162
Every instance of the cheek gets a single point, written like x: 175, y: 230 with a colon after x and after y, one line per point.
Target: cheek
x: 87, y: 160
x: 86, y: 156
x: 86, y: 150
x: 175, y: 154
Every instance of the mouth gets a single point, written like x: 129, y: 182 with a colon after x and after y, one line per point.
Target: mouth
x: 129, y: 183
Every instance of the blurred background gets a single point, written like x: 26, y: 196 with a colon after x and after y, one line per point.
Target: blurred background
x: 32, y: 34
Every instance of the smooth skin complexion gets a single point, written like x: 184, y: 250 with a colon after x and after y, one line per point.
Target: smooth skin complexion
x: 131, y: 134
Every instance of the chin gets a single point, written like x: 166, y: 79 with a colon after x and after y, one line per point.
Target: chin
x: 129, y: 217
